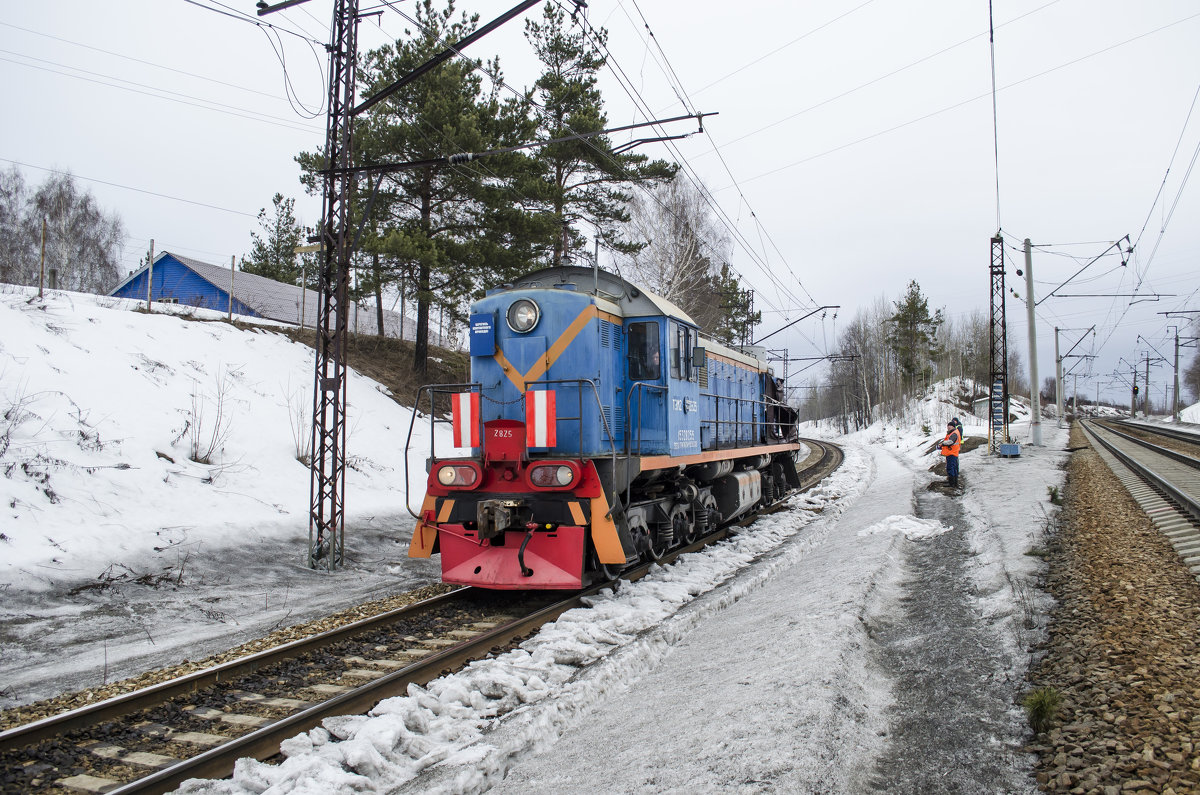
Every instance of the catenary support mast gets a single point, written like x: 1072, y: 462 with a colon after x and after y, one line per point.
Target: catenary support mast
x: 998, y: 382
x: 327, y: 495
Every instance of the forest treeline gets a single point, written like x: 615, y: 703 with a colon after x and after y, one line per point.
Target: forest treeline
x: 894, y: 350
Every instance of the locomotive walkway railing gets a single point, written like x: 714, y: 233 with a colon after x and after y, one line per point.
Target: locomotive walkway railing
x: 755, y: 424
x: 434, y: 390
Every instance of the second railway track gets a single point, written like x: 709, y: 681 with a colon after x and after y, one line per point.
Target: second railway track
x: 1165, y: 482
x: 152, y: 740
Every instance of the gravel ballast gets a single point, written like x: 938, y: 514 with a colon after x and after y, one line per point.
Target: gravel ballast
x: 1122, y: 649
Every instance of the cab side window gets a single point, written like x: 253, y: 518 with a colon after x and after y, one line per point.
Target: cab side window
x: 644, y: 358
x: 681, y: 351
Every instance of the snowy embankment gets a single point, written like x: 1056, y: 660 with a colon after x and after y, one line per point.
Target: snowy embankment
x: 119, y: 553
x: 106, y: 414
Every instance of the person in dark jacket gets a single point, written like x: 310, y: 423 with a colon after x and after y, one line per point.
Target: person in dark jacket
x: 950, y: 447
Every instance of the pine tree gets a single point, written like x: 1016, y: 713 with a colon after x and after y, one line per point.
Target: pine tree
x: 912, y: 333
x: 438, y: 230
x: 273, y: 254
x: 580, y: 180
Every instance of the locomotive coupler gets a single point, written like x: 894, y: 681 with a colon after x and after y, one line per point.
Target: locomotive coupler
x: 495, y: 516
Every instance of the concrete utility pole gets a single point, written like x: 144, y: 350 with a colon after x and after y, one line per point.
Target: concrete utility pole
x: 1175, y: 405
x: 1035, y: 397
x: 1146, y: 405
x: 1058, y: 401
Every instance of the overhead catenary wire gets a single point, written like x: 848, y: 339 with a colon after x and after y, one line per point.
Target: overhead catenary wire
x: 625, y: 83
x: 689, y: 171
x: 627, y: 86
x: 968, y: 101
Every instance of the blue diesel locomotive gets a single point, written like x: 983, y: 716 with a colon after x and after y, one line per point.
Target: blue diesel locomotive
x: 600, y: 428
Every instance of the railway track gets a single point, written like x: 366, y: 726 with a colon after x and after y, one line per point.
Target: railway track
x: 197, y: 726
x: 1171, y: 438
x: 1164, y: 482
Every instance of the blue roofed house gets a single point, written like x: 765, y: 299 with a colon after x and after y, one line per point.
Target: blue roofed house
x: 182, y: 280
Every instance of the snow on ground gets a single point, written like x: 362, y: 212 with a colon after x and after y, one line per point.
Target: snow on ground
x: 755, y: 665
x: 1190, y: 414
x: 117, y: 551
x: 822, y: 650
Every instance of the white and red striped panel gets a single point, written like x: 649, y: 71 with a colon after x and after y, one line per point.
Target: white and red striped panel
x: 541, y: 422
x: 464, y: 411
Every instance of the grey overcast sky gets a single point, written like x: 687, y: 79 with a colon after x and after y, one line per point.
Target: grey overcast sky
x: 853, y: 152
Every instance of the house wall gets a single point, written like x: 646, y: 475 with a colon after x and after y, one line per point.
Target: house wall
x: 173, y: 281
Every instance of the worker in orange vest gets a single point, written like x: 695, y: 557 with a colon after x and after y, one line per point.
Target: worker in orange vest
x: 949, y: 448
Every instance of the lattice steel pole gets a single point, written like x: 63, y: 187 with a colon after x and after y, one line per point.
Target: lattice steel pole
x: 326, y: 529
x: 998, y: 382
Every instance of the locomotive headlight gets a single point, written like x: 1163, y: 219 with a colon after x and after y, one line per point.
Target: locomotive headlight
x: 457, y: 476
x: 552, y: 476
x: 523, y: 315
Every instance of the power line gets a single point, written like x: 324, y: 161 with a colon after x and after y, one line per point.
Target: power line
x: 140, y: 61
x: 128, y: 187
x: 881, y: 78
x: 242, y: 16
x: 689, y: 171
x: 164, y: 94
x: 968, y: 101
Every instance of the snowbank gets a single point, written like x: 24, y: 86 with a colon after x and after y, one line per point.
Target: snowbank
x: 105, y: 414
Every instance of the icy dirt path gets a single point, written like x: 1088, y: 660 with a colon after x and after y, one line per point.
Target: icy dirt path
x: 776, y: 693
x: 953, y: 726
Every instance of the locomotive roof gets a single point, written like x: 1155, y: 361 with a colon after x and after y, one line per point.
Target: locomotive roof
x: 632, y: 299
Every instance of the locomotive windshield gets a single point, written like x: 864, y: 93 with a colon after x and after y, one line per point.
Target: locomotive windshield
x: 644, y: 359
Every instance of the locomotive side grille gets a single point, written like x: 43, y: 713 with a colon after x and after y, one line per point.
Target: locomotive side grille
x: 608, y: 334
x: 616, y: 419
x: 703, y: 375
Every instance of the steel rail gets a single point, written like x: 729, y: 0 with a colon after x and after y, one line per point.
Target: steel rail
x: 1188, y: 502
x: 127, y: 703
x: 1182, y: 458
x: 1171, y: 433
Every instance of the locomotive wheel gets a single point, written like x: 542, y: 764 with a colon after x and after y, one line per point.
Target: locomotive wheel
x: 684, y: 529
x: 709, y: 513
x: 660, y: 539
x: 645, y: 541
x: 606, y: 571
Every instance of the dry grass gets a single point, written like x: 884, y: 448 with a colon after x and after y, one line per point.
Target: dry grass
x: 389, y: 361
